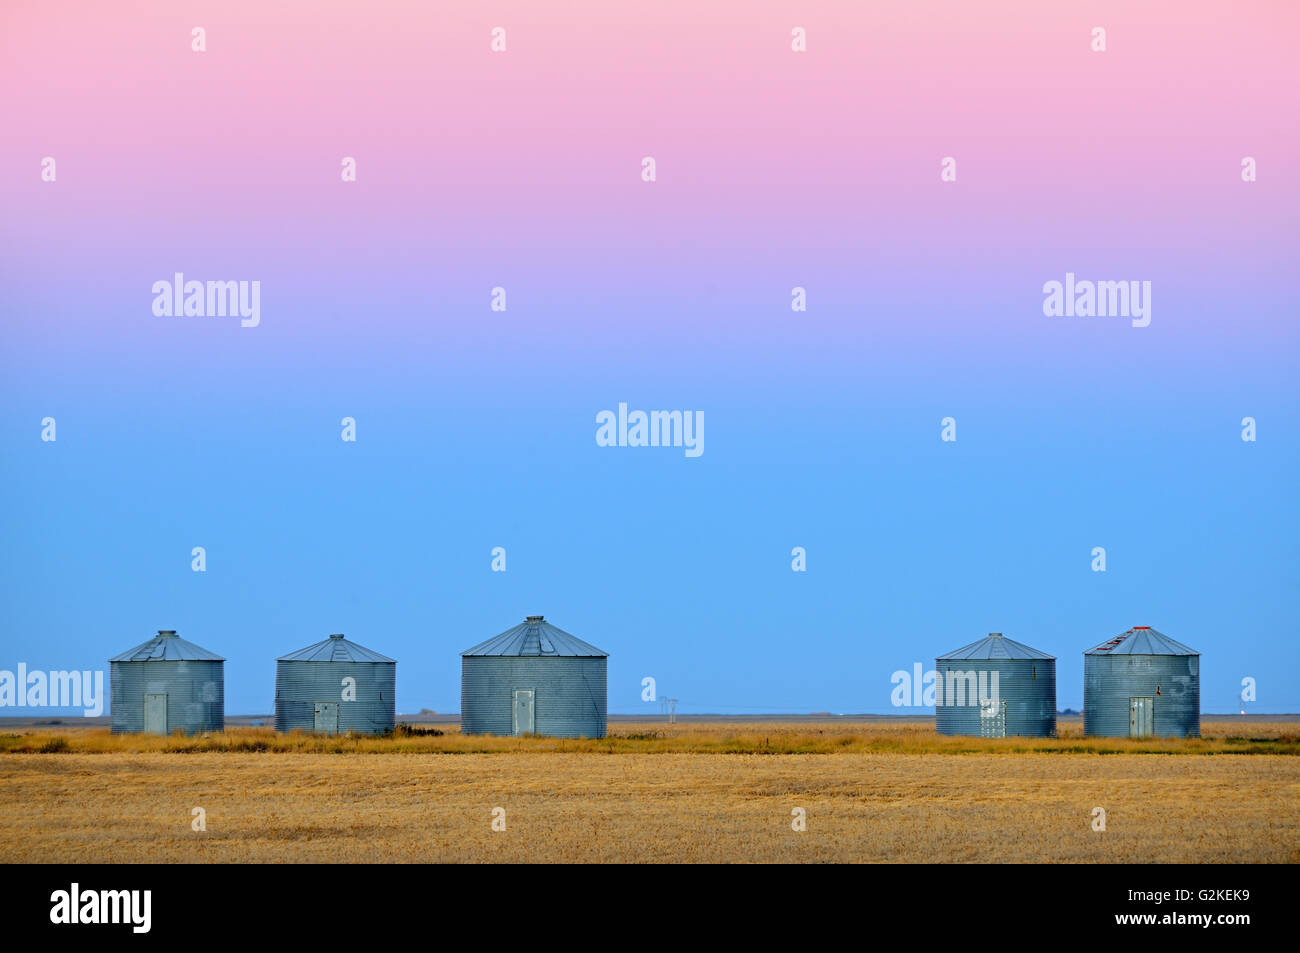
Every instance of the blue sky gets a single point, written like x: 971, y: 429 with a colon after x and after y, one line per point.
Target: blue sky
x: 679, y: 568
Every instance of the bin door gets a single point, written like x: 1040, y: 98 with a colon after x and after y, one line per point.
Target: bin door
x: 327, y: 718
x: 524, y: 712
x: 155, y: 714
x: 993, y: 719
x: 1141, y: 717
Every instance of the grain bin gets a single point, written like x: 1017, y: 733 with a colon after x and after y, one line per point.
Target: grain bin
x: 1142, y: 684
x: 336, y: 687
x: 167, y: 685
x: 996, y: 688
x: 533, y: 679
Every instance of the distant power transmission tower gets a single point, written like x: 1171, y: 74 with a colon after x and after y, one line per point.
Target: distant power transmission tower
x: 668, y: 706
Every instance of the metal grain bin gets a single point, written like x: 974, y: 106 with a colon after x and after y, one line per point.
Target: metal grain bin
x: 167, y: 685
x: 1142, y: 684
x: 996, y: 688
x: 533, y: 679
x: 336, y: 687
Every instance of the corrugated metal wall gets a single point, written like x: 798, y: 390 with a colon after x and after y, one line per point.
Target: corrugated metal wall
x: 300, y: 685
x: 1028, y: 686
x: 1109, y: 681
x: 195, y: 693
x: 570, y: 700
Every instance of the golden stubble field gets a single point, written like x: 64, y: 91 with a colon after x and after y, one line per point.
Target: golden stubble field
x: 693, y: 792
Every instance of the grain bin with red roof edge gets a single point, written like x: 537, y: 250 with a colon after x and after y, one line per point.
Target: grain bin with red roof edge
x: 1142, y: 684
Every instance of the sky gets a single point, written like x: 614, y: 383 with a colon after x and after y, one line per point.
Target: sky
x: 475, y: 428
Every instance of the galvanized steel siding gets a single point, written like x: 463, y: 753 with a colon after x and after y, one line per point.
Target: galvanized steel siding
x: 1109, y: 681
x: 570, y: 700
x: 1028, y: 686
x: 195, y: 693
x: 300, y: 685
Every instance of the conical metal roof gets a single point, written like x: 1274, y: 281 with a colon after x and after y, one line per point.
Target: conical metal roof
x: 536, y: 636
x: 996, y: 645
x: 167, y: 646
x: 1141, y: 640
x: 334, y: 649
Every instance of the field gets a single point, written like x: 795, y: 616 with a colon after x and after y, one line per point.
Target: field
x: 716, y: 791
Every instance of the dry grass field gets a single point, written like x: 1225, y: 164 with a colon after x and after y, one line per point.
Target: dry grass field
x: 688, y: 792
x: 895, y: 736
